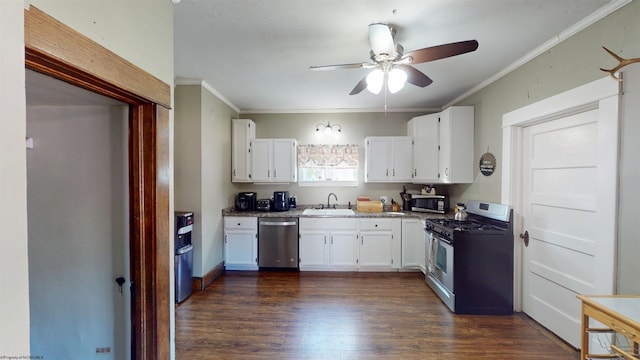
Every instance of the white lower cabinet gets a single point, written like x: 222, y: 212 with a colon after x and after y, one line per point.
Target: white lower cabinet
x: 328, y: 244
x: 413, y: 244
x: 240, y: 243
x: 380, y: 244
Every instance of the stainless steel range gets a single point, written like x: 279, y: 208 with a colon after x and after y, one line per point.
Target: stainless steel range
x: 470, y: 263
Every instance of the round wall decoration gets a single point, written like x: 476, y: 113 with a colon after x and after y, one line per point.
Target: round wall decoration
x: 487, y: 164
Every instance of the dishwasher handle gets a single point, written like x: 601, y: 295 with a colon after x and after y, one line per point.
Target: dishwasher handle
x: 278, y: 223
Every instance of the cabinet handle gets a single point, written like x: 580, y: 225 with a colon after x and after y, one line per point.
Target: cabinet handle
x: 234, y: 172
x: 387, y: 173
x: 394, y: 172
x: 275, y: 173
x: 415, y: 172
x: 331, y: 239
x: 268, y: 173
x: 225, y: 238
x: 325, y: 239
x: 446, y: 171
x: 361, y: 240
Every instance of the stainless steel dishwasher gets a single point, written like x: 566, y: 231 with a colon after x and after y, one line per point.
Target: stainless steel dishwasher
x: 278, y: 242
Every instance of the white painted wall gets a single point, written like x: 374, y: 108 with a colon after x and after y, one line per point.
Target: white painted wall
x: 574, y: 62
x: 139, y: 21
x: 14, y: 269
x: 203, y: 171
x: 628, y: 218
x: 355, y: 127
x: 78, y: 231
x: 188, y: 174
x: 216, y: 175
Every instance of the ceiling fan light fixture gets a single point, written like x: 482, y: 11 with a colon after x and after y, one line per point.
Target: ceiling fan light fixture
x: 375, y: 80
x: 396, y: 80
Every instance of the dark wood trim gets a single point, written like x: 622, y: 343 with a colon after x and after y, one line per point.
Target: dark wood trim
x: 62, y: 52
x: 201, y: 283
x: 56, y: 50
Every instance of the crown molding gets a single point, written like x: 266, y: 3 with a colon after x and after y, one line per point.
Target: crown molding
x: 576, y: 28
x: 204, y: 84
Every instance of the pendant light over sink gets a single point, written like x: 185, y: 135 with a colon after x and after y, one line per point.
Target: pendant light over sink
x: 328, y: 129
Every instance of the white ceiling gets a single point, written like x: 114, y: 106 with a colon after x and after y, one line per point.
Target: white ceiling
x: 256, y: 53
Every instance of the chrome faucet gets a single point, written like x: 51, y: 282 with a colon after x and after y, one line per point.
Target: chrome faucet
x: 329, y: 200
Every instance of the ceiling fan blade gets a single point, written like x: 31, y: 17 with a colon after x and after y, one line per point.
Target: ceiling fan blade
x: 441, y: 51
x: 338, y: 66
x: 415, y: 76
x: 359, y: 87
x: 381, y: 39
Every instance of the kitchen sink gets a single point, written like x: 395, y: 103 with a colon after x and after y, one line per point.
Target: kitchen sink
x: 328, y: 212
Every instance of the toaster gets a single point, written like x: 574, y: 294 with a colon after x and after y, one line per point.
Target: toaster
x: 263, y: 205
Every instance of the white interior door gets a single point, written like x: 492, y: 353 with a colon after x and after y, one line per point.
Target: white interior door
x: 565, y: 190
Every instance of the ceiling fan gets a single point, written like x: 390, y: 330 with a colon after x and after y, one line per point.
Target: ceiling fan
x: 392, y: 65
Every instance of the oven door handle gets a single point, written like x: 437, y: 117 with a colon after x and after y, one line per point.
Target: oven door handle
x: 444, y: 240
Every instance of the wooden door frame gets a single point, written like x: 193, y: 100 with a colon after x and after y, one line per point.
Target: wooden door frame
x: 55, y: 49
x: 581, y: 98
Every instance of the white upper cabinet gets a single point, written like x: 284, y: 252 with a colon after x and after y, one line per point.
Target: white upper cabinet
x: 443, y: 146
x: 456, y: 145
x: 388, y: 159
x: 424, y: 130
x: 242, y: 132
x: 273, y: 160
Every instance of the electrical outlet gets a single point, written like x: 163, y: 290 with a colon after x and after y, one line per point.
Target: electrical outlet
x: 103, y: 350
x: 383, y: 199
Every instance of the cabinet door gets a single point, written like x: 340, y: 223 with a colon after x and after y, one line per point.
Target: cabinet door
x: 456, y: 145
x: 375, y: 249
x: 402, y: 159
x: 242, y: 132
x: 261, y: 155
x: 413, y: 244
x: 378, y: 158
x: 343, y: 245
x: 313, y: 249
x: 241, y: 248
x: 284, y: 160
x: 425, y: 148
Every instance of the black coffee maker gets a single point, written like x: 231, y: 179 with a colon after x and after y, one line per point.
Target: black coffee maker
x: 280, y: 201
x: 246, y: 201
x: 406, y: 201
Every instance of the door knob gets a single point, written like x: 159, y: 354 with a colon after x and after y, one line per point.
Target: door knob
x: 525, y: 237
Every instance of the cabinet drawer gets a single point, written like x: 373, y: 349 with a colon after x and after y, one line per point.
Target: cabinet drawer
x: 240, y: 222
x: 373, y: 224
x: 614, y: 324
x: 328, y: 224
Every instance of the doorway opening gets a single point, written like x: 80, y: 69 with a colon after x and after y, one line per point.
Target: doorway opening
x: 54, y: 49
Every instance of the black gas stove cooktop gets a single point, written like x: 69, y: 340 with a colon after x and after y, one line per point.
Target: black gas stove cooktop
x: 468, y: 225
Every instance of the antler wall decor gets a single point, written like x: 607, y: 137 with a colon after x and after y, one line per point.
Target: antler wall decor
x: 623, y: 63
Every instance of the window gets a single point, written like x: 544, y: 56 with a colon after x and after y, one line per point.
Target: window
x: 328, y: 165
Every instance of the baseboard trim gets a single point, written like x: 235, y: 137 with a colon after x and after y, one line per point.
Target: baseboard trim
x: 201, y: 283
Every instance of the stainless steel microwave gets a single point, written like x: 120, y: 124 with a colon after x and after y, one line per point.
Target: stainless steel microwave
x: 430, y: 203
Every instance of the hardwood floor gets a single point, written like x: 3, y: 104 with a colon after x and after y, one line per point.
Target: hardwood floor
x: 310, y: 315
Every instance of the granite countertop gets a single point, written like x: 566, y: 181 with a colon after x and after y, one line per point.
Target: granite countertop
x: 298, y: 212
